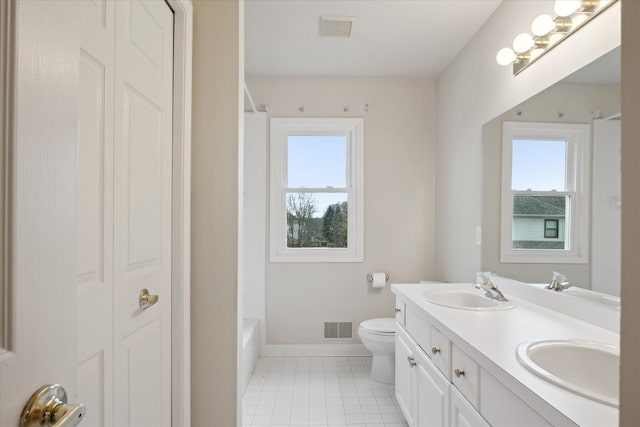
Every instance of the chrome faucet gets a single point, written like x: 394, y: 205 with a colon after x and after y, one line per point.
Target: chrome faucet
x: 484, y: 282
x: 558, y: 283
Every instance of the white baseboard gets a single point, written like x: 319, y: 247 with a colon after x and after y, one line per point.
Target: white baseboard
x: 311, y: 350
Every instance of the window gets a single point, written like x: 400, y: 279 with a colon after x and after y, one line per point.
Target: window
x: 545, y: 212
x: 551, y: 228
x: 317, y: 190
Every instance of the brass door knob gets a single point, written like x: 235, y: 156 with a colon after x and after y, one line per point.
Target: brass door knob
x: 48, y: 407
x: 146, y: 300
x: 459, y: 372
x: 435, y: 350
x: 412, y: 361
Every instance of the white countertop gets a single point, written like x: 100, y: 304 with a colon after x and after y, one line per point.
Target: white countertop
x: 491, y: 337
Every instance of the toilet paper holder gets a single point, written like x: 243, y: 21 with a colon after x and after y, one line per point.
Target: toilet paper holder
x: 370, y: 277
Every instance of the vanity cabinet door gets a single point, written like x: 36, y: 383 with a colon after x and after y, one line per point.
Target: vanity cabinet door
x: 432, y: 403
x: 405, y: 378
x: 465, y: 375
x: 463, y: 414
x: 502, y: 406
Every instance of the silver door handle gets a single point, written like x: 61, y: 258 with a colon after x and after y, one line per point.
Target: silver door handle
x: 146, y: 300
x: 48, y: 407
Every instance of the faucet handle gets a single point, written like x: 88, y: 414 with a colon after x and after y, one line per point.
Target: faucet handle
x: 558, y: 282
x: 559, y: 277
x: 482, y: 277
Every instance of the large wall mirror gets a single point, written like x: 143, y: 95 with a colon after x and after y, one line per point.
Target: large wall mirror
x: 551, y: 200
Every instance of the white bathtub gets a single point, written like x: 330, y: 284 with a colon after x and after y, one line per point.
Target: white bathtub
x: 250, y: 349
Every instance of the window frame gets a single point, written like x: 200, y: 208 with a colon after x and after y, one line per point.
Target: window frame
x: 555, y: 229
x: 280, y: 129
x: 578, y: 138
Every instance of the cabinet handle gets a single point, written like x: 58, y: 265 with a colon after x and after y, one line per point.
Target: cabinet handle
x: 459, y: 372
x: 398, y: 310
x: 435, y: 350
x: 412, y: 361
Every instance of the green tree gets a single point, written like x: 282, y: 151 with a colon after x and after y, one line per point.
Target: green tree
x: 329, y: 225
x: 334, y: 225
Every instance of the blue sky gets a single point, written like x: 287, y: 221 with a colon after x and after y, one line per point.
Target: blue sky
x: 318, y: 161
x: 538, y: 165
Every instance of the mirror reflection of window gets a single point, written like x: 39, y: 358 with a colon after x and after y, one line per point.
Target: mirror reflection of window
x: 545, y: 191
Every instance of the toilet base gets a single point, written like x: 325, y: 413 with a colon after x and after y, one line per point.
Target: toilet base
x: 383, y: 368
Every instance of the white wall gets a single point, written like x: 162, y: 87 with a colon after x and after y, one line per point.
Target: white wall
x: 576, y: 102
x: 472, y: 91
x: 217, y: 127
x: 399, y: 184
x: 605, y: 201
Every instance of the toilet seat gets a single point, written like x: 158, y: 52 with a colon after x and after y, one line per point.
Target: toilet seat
x: 382, y: 326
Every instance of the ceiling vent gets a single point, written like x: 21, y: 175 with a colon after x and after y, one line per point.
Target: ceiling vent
x: 336, y: 26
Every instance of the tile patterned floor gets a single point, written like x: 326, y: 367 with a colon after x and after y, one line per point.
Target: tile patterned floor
x: 318, y: 391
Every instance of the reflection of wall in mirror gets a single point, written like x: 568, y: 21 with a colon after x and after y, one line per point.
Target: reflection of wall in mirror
x: 565, y: 103
x: 605, y: 202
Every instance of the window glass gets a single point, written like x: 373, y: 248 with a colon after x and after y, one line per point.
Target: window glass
x: 533, y: 219
x: 317, y: 220
x: 539, y: 165
x: 316, y: 161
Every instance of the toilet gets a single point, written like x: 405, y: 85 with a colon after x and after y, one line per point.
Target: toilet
x: 378, y: 336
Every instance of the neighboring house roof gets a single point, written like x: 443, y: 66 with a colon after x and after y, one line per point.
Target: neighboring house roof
x: 538, y: 206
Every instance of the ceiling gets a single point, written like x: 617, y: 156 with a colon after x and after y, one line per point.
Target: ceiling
x: 389, y: 37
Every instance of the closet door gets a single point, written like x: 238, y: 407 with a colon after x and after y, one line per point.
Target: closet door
x: 142, y: 212
x: 95, y: 211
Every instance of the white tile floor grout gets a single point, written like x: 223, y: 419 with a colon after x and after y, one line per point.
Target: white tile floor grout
x: 318, y: 391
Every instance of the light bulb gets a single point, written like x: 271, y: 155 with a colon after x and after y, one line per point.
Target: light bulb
x: 542, y: 25
x: 567, y: 7
x: 506, y: 56
x: 523, y: 42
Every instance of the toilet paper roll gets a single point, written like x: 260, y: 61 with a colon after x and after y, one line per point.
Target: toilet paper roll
x: 379, y: 280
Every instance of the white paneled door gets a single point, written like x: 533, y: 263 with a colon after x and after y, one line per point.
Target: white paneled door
x: 90, y: 212
x: 124, y: 239
x: 142, y: 212
x: 95, y: 212
x: 38, y: 344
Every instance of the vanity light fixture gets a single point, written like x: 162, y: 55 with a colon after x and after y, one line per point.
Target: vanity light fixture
x: 547, y: 31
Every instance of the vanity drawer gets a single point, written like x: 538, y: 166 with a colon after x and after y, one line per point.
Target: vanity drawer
x: 465, y: 375
x: 440, y: 352
x: 418, y: 328
x: 400, y: 312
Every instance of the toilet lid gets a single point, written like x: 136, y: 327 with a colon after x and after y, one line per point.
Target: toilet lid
x: 385, y: 325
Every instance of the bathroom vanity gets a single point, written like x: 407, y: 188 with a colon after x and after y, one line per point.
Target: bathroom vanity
x: 457, y: 366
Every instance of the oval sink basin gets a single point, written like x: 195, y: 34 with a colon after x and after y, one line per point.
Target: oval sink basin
x: 465, y: 299
x: 585, y: 368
